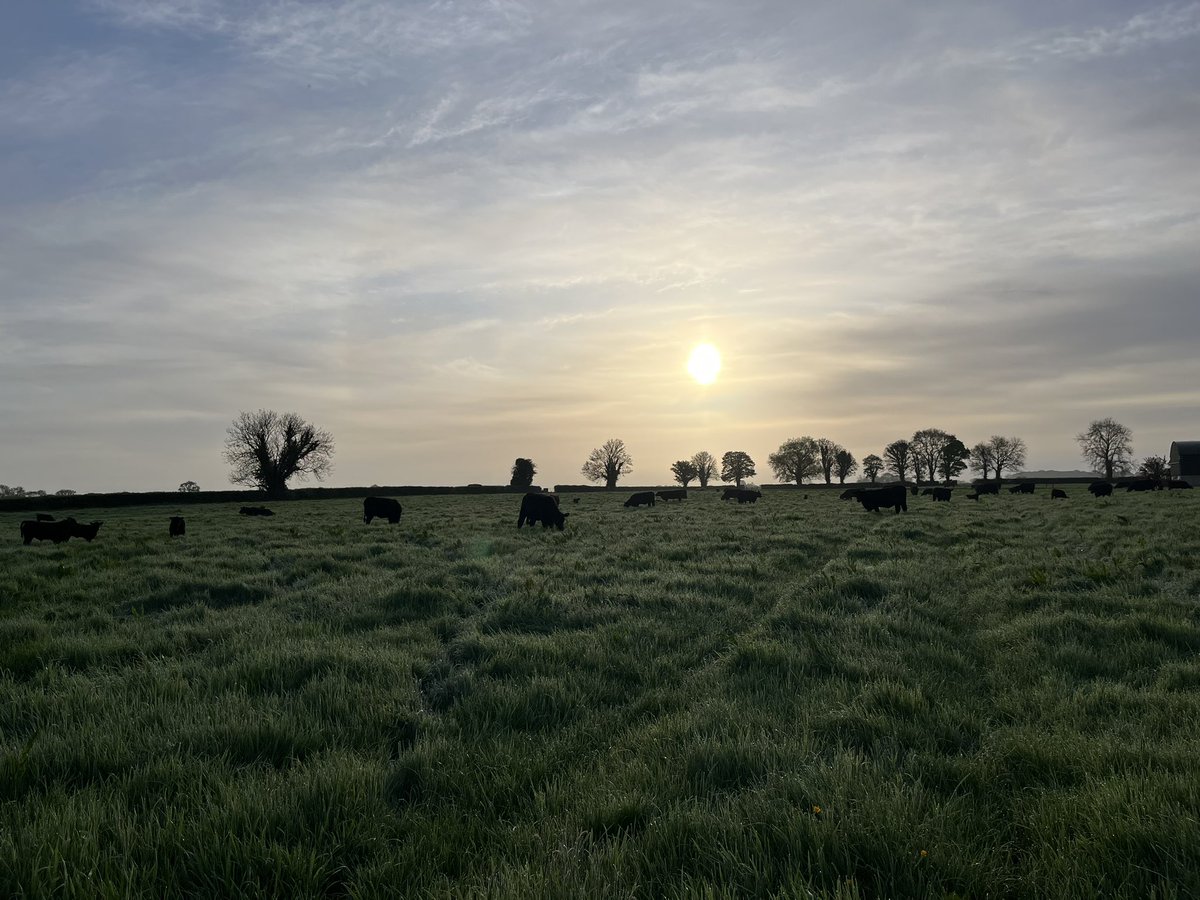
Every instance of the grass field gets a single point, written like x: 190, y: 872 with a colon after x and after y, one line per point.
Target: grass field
x: 794, y: 699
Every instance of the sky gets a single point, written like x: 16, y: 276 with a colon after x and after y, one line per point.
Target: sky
x: 452, y: 233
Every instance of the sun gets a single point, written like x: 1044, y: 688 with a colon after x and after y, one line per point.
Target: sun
x: 704, y: 364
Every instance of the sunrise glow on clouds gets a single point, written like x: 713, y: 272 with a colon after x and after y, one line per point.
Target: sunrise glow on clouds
x: 457, y: 233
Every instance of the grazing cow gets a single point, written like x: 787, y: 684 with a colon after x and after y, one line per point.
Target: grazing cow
x: 87, y: 532
x: 676, y: 494
x: 1058, y: 494
x: 1100, y: 489
x: 537, y: 507
x: 1178, y: 484
x: 32, y: 530
x: 1143, y: 484
x: 848, y: 494
x: 383, y: 507
x: 741, y: 495
x: 986, y: 487
x: 255, y: 511
x: 177, y: 526
x: 46, y: 517
x: 894, y: 496
x: 642, y: 498
x: 942, y: 495
x: 1023, y: 488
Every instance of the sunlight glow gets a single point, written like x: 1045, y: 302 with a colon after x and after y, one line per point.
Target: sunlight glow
x: 704, y: 364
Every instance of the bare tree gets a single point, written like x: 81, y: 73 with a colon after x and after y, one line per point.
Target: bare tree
x: 608, y: 462
x: 898, y: 456
x: 981, y: 458
x: 844, y: 465
x: 65, y: 492
x: 952, y: 458
x: 924, y: 448
x: 736, y: 466
x: 706, y: 467
x: 872, y: 466
x: 522, y: 473
x: 1157, y: 468
x: 6, y: 491
x: 189, y: 487
x: 265, y: 449
x: 827, y: 452
x: 1107, y: 446
x: 795, y: 460
x: 1007, y: 453
x: 684, y: 471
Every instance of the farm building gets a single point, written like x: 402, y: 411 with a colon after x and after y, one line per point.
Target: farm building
x: 1185, y: 461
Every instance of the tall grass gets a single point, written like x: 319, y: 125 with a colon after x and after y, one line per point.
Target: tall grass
x: 790, y: 699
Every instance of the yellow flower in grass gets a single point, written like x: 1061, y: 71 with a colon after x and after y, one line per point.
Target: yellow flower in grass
x: 924, y: 853
x: 816, y: 810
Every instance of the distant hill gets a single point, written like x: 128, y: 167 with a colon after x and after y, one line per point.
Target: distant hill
x: 1050, y: 473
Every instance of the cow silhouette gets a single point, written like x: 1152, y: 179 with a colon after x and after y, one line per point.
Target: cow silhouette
x: 539, y: 507
x: 382, y: 507
x: 178, y: 527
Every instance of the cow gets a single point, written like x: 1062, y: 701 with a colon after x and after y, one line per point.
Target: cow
x: 538, y: 507
x: 1100, y: 489
x: 44, y: 517
x: 87, y: 532
x: 642, y: 498
x: 1026, y: 487
x: 848, y: 494
x: 1178, y: 484
x: 942, y: 495
x: 1058, y: 494
x: 741, y: 495
x: 914, y: 490
x: 676, y: 494
x: 382, y: 507
x: 177, y: 526
x: 255, y: 511
x: 1143, y: 484
x: 32, y: 530
x: 986, y: 487
x: 894, y: 496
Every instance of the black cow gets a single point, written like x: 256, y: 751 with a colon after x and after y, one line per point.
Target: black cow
x: 1023, y: 488
x: 914, y: 490
x: 32, y: 530
x: 383, y: 507
x: 538, y: 507
x: 44, y: 517
x: 848, y: 494
x: 255, y: 511
x: 986, y: 487
x: 177, y: 527
x: 1058, y: 494
x: 676, y: 494
x: 1143, y: 484
x: 942, y: 495
x: 1177, y: 484
x: 87, y: 532
x: 1100, y: 489
x: 741, y: 495
x: 894, y: 496
x: 642, y: 498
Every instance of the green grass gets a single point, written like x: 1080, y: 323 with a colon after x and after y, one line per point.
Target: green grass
x: 998, y: 699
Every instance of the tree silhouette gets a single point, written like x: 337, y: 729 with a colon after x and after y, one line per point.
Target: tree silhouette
x: 736, y: 466
x: 65, y: 492
x: 706, y: 467
x: 1157, y: 468
x: 981, y: 458
x: 1007, y: 453
x: 1107, y: 446
x: 872, y: 466
x: 952, y: 458
x: 795, y: 460
x: 266, y: 449
x: 6, y: 491
x: 827, y: 452
x: 684, y: 471
x: 898, y: 456
x: 608, y: 462
x: 523, y: 471
x: 924, y: 448
x: 189, y: 487
x: 844, y: 465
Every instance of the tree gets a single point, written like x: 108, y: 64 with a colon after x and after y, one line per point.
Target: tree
x: 952, y: 458
x: 795, y: 460
x: 924, y: 448
x: 1155, y: 467
x: 523, y: 471
x: 706, y: 467
x: 6, y: 491
x: 189, y: 487
x: 736, y: 466
x: 608, y: 462
x: 1007, y: 453
x: 872, y: 466
x: 898, y: 456
x: 844, y: 465
x: 266, y: 449
x: 827, y: 452
x: 65, y: 492
x: 1107, y: 446
x: 684, y: 471
x: 35, y: 493
x: 981, y: 458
